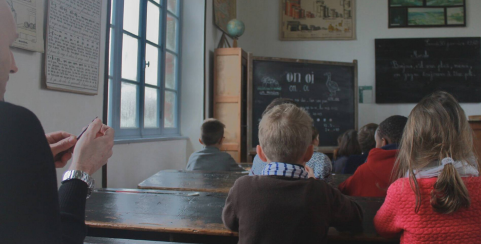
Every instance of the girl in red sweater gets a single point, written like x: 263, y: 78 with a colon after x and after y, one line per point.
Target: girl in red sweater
x: 436, y: 197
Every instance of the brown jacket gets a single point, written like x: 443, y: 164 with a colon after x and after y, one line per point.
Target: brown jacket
x: 275, y: 209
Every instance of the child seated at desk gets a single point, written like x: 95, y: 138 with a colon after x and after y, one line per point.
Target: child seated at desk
x: 211, y: 158
x: 348, y: 146
x: 436, y: 197
x: 372, y: 178
x: 366, y: 140
x: 283, y: 205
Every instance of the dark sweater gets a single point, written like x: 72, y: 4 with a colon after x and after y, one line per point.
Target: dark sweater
x: 275, y: 209
x: 32, y: 211
x: 353, y: 162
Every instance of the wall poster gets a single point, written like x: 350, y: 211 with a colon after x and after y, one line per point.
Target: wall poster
x: 426, y: 13
x: 29, y: 19
x: 304, y: 20
x: 224, y: 11
x: 72, y: 60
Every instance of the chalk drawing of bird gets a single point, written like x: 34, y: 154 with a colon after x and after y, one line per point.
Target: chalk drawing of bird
x: 332, y: 85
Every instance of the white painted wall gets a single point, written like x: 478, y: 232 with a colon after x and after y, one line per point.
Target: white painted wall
x: 192, y: 74
x: 261, y: 19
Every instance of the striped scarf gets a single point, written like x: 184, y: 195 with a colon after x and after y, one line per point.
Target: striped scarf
x: 285, y: 170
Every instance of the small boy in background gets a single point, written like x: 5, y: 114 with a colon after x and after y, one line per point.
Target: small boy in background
x: 211, y: 158
x: 372, y: 178
x: 283, y: 205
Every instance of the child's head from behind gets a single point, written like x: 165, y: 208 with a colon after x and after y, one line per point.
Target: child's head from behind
x: 349, y: 144
x: 285, y: 135
x: 390, y: 130
x: 437, y: 128
x: 278, y: 101
x: 366, y: 137
x: 212, y: 132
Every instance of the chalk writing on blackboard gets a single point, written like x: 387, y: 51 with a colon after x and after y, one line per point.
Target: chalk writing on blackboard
x: 73, y: 45
x: 324, y: 90
x: 409, y: 69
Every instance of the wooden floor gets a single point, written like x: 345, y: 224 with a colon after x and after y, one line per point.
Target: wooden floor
x: 184, y: 216
x: 202, y: 181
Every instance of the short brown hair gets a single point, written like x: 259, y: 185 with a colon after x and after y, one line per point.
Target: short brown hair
x: 212, y: 131
x: 285, y: 133
x: 366, y: 137
x: 349, y: 144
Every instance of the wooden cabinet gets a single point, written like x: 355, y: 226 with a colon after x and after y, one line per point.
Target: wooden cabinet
x: 475, y: 125
x: 229, y: 98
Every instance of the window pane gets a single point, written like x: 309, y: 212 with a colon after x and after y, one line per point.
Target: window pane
x: 171, y: 33
x: 152, y: 57
x: 152, y: 31
x: 151, y: 108
x: 171, y: 66
x: 172, y: 6
x: 128, y: 105
x: 129, y: 58
x: 157, y: 1
x: 131, y: 16
x: 111, y: 46
x: 170, y: 110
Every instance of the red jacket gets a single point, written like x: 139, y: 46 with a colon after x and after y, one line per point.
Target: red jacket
x: 372, y: 178
x: 397, y: 215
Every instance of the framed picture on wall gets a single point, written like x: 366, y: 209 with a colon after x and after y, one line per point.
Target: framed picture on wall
x: 426, y: 13
x: 305, y: 20
x: 224, y: 11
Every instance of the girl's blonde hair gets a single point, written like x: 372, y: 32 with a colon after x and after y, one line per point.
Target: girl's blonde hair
x: 437, y: 128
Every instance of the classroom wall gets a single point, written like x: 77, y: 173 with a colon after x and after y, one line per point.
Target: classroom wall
x: 192, y: 74
x: 134, y: 162
x: 261, y: 19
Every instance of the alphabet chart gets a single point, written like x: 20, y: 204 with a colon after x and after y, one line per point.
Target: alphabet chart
x: 72, y: 60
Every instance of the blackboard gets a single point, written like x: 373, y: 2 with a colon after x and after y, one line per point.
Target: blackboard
x: 409, y: 69
x: 325, y: 89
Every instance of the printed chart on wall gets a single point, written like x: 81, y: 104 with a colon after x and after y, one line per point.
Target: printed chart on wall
x: 317, y: 20
x: 72, y: 57
x: 326, y: 90
x: 29, y: 19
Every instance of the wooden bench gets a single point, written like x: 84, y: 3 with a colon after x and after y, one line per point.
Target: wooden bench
x: 202, y: 181
x: 103, y: 240
x: 184, y: 216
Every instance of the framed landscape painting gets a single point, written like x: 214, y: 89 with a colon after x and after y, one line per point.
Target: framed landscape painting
x: 426, y: 13
x: 304, y: 20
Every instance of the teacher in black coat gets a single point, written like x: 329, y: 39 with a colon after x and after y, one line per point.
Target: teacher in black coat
x: 31, y: 208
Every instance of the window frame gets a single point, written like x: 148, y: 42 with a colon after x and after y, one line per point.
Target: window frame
x: 114, y: 71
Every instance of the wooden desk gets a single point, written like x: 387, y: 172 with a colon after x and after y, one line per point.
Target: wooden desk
x: 177, y: 216
x: 103, y: 240
x: 180, y: 180
x: 202, y: 181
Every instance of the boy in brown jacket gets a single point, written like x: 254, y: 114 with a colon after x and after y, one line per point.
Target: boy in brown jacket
x: 283, y: 205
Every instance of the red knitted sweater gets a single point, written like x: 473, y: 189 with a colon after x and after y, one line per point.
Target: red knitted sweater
x: 397, y: 215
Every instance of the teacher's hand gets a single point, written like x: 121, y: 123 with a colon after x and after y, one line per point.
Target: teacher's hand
x: 94, y: 148
x: 60, y: 142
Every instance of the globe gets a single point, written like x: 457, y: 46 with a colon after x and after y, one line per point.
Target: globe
x: 235, y: 28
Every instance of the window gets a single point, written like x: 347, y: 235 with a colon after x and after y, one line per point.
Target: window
x: 144, y: 53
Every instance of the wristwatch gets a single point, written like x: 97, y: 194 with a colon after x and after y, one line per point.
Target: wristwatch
x: 80, y: 175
